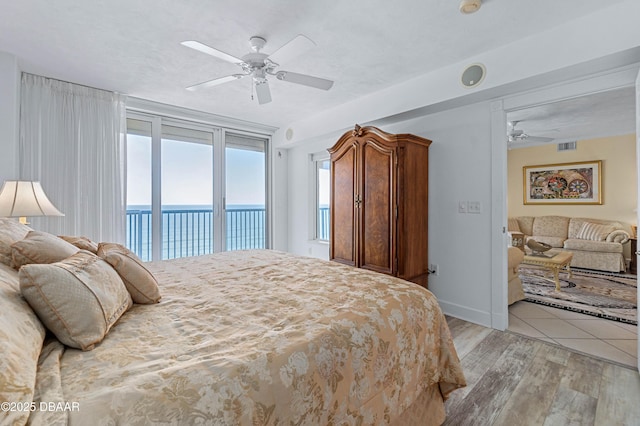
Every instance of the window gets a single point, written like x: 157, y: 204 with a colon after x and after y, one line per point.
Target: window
x: 176, y: 189
x: 323, y: 192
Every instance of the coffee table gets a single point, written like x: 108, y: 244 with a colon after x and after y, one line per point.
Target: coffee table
x: 559, y: 261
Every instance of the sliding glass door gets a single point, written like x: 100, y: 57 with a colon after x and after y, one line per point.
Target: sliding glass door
x: 139, y: 187
x: 193, y: 189
x: 246, y: 200
x: 187, y: 192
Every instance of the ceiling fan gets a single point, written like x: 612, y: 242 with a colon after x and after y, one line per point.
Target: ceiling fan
x: 516, y: 135
x: 258, y: 65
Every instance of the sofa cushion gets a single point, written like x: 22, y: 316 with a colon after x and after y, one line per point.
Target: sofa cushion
x: 590, y: 245
x: 40, y: 247
x: 512, y: 225
x: 551, y: 226
x: 556, y: 242
x: 594, y: 231
x: 525, y: 223
x: 78, y: 299
x: 10, y: 231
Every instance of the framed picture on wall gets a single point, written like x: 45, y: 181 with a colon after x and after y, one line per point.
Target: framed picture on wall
x: 566, y: 183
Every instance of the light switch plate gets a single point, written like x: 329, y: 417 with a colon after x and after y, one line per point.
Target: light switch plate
x: 462, y: 206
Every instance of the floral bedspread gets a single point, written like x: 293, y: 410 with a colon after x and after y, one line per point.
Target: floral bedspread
x: 258, y: 337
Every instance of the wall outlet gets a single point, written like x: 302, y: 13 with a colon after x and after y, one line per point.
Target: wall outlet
x: 474, y: 207
x: 434, y: 269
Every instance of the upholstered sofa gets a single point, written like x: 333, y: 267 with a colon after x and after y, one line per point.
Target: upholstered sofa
x: 514, y: 259
x: 595, y: 243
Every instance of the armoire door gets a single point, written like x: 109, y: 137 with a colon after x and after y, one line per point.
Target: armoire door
x: 343, y: 206
x: 377, y: 208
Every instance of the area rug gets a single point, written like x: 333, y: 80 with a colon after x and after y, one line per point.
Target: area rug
x: 601, y: 294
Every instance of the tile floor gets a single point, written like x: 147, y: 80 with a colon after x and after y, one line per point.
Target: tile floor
x: 611, y: 340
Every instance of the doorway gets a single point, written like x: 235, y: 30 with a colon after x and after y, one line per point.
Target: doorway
x: 602, y: 125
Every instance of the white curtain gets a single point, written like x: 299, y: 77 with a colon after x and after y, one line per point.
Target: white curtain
x: 72, y: 140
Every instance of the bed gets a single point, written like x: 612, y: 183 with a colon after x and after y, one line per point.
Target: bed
x: 248, y: 337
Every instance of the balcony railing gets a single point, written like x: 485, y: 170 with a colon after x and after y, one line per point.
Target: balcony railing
x: 189, y: 232
x: 323, y: 223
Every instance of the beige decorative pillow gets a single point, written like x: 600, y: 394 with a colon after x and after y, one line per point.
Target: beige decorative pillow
x: 40, y: 247
x: 83, y: 243
x: 10, y: 231
x: 21, y: 334
x: 141, y: 283
x: 78, y: 299
x: 513, y: 225
x: 594, y: 231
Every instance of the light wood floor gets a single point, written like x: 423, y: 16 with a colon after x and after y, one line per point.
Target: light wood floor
x: 516, y: 380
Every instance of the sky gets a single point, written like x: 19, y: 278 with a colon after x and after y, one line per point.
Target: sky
x: 324, y: 184
x: 187, y: 173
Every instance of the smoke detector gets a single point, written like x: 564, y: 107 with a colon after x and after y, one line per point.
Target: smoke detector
x: 470, y: 6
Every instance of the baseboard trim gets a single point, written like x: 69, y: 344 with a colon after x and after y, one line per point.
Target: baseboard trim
x: 464, y: 313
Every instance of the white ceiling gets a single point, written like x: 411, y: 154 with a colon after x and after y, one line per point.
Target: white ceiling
x: 134, y: 47
x: 597, y: 115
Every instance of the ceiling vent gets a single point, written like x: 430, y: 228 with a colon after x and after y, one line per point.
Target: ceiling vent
x: 567, y: 146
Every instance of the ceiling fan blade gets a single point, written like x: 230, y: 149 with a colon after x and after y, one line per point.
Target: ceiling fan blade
x: 215, y: 82
x: 293, y: 48
x: 306, y: 80
x: 211, y: 51
x: 263, y: 92
x: 537, y: 139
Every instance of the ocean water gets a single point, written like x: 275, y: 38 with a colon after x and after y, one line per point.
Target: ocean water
x: 187, y: 230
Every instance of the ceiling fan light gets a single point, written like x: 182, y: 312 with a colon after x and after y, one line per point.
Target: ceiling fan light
x: 470, y: 6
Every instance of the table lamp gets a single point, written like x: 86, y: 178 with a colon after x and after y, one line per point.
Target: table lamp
x: 25, y: 198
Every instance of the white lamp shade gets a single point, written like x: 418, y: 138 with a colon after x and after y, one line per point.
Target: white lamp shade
x: 25, y: 198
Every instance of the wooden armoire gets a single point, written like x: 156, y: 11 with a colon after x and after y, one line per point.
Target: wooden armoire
x: 379, y: 202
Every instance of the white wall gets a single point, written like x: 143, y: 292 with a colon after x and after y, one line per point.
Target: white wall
x: 9, y: 113
x: 459, y: 170
x: 459, y: 243
x: 301, y: 200
x: 280, y: 199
